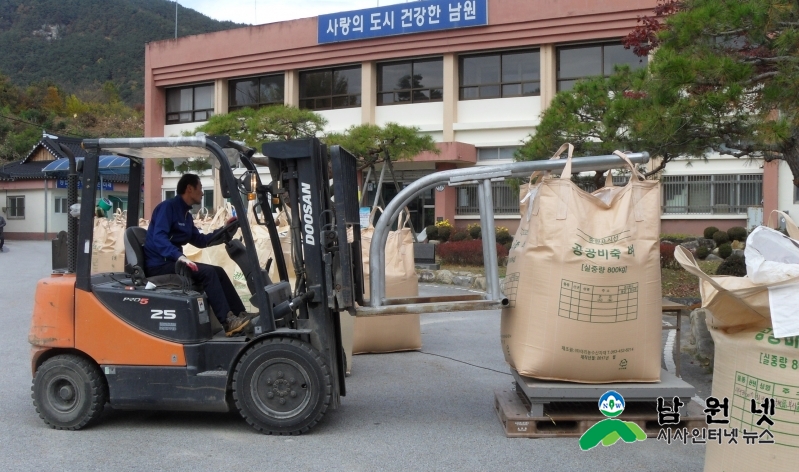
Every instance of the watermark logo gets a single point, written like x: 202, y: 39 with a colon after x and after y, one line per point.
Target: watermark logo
x: 608, y: 431
x: 611, y: 404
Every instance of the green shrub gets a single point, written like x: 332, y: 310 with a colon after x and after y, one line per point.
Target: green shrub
x: 444, y: 233
x: 702, y: 252
x: 710, y: 231
x: 737, y: 233
x: 725, y: 250
x: 503, y: 236
x: 720, y: 237
x: 460, y: 235
x: 734, y: 265
x: 474, y: 230
x: 674, y: 237
x: 443, y: 223
x: 432, y: 232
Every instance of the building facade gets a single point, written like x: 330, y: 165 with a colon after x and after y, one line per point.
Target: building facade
x: 35, y: 199
x: 478, y: 91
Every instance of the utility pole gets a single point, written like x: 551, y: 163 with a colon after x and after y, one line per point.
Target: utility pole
x: 176, y: 19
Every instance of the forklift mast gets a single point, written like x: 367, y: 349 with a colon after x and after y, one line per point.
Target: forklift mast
x: 327, y: 263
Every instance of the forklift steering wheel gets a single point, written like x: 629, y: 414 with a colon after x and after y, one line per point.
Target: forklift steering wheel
x: 225, y: 234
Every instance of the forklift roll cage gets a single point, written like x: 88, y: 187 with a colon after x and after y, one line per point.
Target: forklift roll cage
x: 137, y: 149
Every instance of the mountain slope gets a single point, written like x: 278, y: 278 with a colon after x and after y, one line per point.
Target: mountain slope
x: 81, y: 44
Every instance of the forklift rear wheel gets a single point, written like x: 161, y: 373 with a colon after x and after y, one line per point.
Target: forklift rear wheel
x: 282, y: 386
x: 68, y: 392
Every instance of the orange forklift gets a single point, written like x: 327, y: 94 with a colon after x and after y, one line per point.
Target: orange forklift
x: 139, y: 342
x: 142, y: 342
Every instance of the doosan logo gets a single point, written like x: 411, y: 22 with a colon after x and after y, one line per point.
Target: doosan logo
x: 307, y: 210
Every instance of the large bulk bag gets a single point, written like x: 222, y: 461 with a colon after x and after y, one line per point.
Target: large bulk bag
x: 583, y: 282
x: 750, y: 362
x: 390, y: 333
x: 108, y: 243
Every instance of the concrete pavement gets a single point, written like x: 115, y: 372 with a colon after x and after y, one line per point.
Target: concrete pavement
x: 406, y: 411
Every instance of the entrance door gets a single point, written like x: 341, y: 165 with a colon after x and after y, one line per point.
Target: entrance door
x: 422, y: 208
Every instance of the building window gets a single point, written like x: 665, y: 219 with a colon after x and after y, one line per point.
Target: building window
x: 591, y: 60
x: 410, y: 82
x: 325, y: 89
x: 189, y: 104
x: 711, y: 194
x: 256, y: 92
x: 61, y: 205
x: 496, y: 153
x: 169, y: 194
x: 208, y: 200
x: 15, y: 208
x: 506, y: 199
x: 500, y: 75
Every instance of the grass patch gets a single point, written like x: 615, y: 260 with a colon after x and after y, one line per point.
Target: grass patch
x: 679, y: 283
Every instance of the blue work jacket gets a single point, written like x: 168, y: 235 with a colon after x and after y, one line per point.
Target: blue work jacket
x: 171, y: 227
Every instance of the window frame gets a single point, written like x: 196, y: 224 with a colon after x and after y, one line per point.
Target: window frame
x: 601, y: 44
x: 498, y: 150
x: 726, y: 194
x: 193, y: 110
x: 412, y: 91
x: 331, y: 96
x: 60, y: 205
x: 504, y: 196
x: 15, y: 207
x: 259, y: 104
x: 208, y: 199
x: 501, y: 84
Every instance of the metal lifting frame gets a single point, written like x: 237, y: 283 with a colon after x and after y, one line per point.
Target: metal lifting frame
x: 379, y: 305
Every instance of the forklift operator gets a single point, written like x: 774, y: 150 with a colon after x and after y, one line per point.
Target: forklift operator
x: 171, y: 227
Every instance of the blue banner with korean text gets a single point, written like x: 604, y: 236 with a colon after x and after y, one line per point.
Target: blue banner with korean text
x: 402, y: 18
x: 62, y: 183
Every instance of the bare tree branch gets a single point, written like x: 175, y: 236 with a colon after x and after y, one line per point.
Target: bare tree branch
x: 763, y: 76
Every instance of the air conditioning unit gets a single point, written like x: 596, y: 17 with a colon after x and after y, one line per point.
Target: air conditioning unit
x: 754, y: 218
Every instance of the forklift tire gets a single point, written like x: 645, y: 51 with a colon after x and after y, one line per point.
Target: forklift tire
x: 68, y: 392
x: 282, y: 386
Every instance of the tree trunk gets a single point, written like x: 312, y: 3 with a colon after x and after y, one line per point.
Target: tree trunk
x: 399, y: 189
x: 790, y: 154
x: 599, y: 179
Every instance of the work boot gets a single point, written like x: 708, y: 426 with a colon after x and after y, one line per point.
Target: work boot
x: 235, y: 323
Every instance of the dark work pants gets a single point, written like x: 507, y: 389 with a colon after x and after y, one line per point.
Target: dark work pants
x: 217, y: 285
x: 2, y: 239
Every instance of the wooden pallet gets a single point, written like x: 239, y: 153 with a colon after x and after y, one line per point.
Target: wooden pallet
x: 572, y: 419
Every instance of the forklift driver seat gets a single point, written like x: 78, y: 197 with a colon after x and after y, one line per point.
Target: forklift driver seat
x: 134, y: 254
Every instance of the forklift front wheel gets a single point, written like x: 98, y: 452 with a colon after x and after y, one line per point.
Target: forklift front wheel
x: 68, y: 392
x: 282, y: 386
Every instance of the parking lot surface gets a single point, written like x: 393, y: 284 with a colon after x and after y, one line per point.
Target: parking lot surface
x: 428, y: 410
